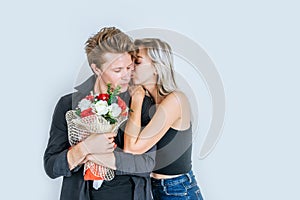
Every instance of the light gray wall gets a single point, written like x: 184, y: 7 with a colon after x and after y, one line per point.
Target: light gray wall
x: 254, y: 44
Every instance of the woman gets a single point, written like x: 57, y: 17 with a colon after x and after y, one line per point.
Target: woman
x: 170, y: 127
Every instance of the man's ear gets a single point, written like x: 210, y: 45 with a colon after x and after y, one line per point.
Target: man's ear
x: 95, y: 69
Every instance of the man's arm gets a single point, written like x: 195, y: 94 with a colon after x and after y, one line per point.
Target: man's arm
x: 142, y: 164
x: 55, y: 156
x: 58, y: 159
x: 139, y: 165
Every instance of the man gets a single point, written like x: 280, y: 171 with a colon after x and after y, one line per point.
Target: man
x: 109, y: 56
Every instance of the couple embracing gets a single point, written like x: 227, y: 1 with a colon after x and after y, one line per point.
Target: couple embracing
x: 150, y: 153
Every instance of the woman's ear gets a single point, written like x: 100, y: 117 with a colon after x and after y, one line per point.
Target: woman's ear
x: 95, y: 69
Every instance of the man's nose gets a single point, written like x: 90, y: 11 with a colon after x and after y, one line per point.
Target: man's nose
x: 127, y: 73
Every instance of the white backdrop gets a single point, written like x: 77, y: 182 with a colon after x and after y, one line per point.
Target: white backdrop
x: 254, y: 44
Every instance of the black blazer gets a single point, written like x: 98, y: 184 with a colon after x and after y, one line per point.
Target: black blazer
x: 55, y: 156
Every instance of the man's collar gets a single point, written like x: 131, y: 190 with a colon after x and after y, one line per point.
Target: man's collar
x: 87, y: 85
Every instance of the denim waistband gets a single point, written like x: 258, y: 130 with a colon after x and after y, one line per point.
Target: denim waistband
x: 173, y: 181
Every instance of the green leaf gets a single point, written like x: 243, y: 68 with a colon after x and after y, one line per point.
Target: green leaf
x: 109, y: 88
x: 77, y: 112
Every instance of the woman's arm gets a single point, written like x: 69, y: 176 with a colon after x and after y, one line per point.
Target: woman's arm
x: 167, y: 113
x: 133, y: 126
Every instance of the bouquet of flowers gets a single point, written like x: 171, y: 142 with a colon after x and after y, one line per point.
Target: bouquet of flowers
x: 99, y: 113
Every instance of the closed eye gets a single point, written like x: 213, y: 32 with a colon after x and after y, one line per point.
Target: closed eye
x: 117, y: 70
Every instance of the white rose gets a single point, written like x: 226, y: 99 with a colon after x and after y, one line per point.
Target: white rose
x: 84, y: 104
x: 101, y: 107
x: 115, y: 110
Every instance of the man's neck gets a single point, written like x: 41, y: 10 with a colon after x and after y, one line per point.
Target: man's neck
x: 100, y: 87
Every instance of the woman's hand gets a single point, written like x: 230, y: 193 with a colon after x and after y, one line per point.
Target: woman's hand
x: 137, y: 92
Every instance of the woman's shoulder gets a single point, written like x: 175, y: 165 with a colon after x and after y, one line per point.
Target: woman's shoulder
x: 179, y: 94
x: 176, y: 97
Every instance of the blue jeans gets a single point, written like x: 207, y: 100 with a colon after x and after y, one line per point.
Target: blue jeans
x: 179, y: 188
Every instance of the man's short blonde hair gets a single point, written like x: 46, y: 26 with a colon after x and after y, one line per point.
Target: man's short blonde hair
x: 107, y: 40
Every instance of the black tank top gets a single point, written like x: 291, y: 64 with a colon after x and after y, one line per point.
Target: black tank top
x: 174, y: 152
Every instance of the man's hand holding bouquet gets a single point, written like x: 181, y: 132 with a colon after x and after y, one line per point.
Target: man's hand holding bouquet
x: 96, y: 114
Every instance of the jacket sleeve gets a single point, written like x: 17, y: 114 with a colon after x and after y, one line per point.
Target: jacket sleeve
x: 139, y: 165
x: 134, y: 164
x: 55, y: 156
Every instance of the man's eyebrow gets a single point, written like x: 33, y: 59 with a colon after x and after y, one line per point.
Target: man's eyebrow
x: 116, y: 67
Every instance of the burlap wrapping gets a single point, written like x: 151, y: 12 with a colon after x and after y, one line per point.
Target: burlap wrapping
x: 80, y: 128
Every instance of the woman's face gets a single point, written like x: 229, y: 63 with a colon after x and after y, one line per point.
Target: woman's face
x: 144, y: 71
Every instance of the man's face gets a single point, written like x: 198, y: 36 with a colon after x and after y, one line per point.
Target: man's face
x: 117, y: 70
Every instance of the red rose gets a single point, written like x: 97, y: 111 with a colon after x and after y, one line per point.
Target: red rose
x: 86, y: 112
x: 103, y: 97
x: 90, y: 97
x: 122, y: 104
